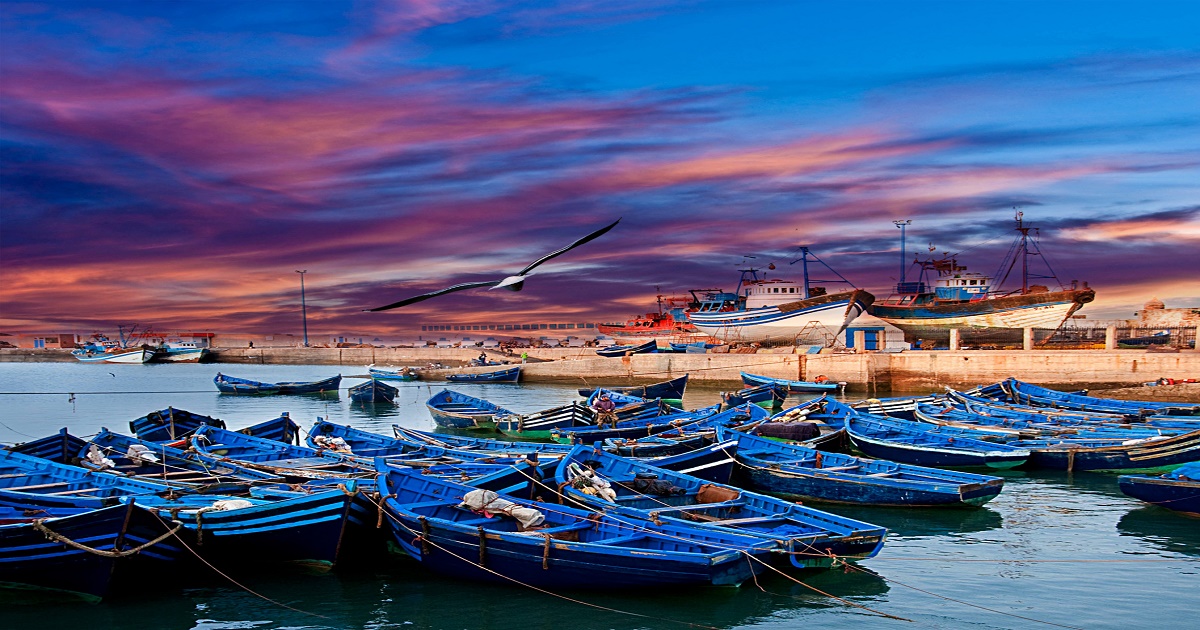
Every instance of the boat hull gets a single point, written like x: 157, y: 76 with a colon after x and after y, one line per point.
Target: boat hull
x: 793, y: 387
x: 938, y: 457
x: 183, y: 355
x: 813, y: 319
x: 373, y: 391
x: 510, y: 375
x: 1173, y: 494
x: 30, y: 559
x: 828, y: 489
x: 669, y: 391
x: 304, y: 530
x: 1035, y: 310
x: 140, y: 355
x: 1150, y: 456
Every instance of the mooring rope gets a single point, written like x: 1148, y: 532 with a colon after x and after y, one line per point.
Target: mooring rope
x: 231, y: 580
x: 40, y: 525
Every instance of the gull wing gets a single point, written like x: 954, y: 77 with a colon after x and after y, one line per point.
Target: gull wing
x: 590, y: 237
x: 425, y: 296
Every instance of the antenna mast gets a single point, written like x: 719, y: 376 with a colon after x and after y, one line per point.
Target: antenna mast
x: 903, y: 255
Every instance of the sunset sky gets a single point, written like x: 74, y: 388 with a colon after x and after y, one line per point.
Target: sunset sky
x: 174, y: 163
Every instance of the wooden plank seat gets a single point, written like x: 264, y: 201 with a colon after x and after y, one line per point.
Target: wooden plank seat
x: 80, y: 491
x: 39, y: 486
x: 619, y: 541
x: 300, y: 462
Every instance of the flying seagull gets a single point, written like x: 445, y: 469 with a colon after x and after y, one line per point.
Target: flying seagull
x: 512, y: 283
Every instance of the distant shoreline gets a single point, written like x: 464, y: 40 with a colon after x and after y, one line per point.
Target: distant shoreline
x: 869, y: 373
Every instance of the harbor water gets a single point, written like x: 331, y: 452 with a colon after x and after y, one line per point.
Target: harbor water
x: 1053, y: 550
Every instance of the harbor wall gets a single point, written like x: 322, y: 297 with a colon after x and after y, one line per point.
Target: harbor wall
x: 870, y: 373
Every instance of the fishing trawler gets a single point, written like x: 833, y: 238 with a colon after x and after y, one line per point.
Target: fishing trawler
x: 947, y: 296
x: 101, y: 349
x: 765, y: 309
x: 669, y: 323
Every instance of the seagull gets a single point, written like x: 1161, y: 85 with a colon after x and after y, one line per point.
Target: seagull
x: 512, y: 283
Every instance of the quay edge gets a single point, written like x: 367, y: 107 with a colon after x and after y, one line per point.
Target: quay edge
x: 867, y: 373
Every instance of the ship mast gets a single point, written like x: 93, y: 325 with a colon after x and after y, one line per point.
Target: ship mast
x: 1024, y: 252
x: 903, y: 256
x: 804, y: 254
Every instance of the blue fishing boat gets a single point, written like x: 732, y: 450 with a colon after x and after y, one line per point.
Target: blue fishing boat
x: 670, y: 391
x: 32, y: 482
x: 62, y: 447
x: 794, y: 471
x: 1145, y: 455
x: 373, y: 391
x: 694, y: 347
x: 804, y: 423
x: 773, y: 309
x: 767, y: 396
x: 170, y: 424
x: 277, y: 458
x: 243, y: 387
x: 637, y: 490
x: 655, y: 445
x: 233, y: 385
x: 540, y: 424
x: 324, y: 386
x: 158, y: 462
x: 118, y: 546
x: 266, y: 527
x: 478, y: 534
x: 1177, y: 490
x: 281, y: 429
x: 620, y: 351
x: 714, y: 462
x: 1033, y: 426
x: 1040, y: 396
x: 455, y: 410
x: 467, y: 442
x: 633, y: 428
x: 412, y: 453
x: 999, y: 407
x: 924, y: 445
x: 507, y: 375
x: 389, y: 374
x: 793, y: 387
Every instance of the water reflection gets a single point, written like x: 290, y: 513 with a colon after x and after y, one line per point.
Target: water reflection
x: 403, y: 593
x: 922, y: 522
x: 1163, y: 529
x: 375, y: 413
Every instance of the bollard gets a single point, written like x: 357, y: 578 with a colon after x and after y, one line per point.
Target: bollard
x: 1028, y: 338
x: 954, y: 339
x: 1110, y: 338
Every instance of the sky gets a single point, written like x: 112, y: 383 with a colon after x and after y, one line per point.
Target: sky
x: 174, y: 164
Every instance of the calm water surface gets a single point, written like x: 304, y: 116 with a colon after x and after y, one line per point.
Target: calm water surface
x: 1052, y: 550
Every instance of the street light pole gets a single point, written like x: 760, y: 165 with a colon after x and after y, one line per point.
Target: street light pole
x: 303, y: 305
x: 903, y: 255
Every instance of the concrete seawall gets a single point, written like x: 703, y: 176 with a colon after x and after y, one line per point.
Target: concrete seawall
x: 869, y: 373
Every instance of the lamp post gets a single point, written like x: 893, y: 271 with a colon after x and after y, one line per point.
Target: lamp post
x: 903, y: 256
x: 303, y: 306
